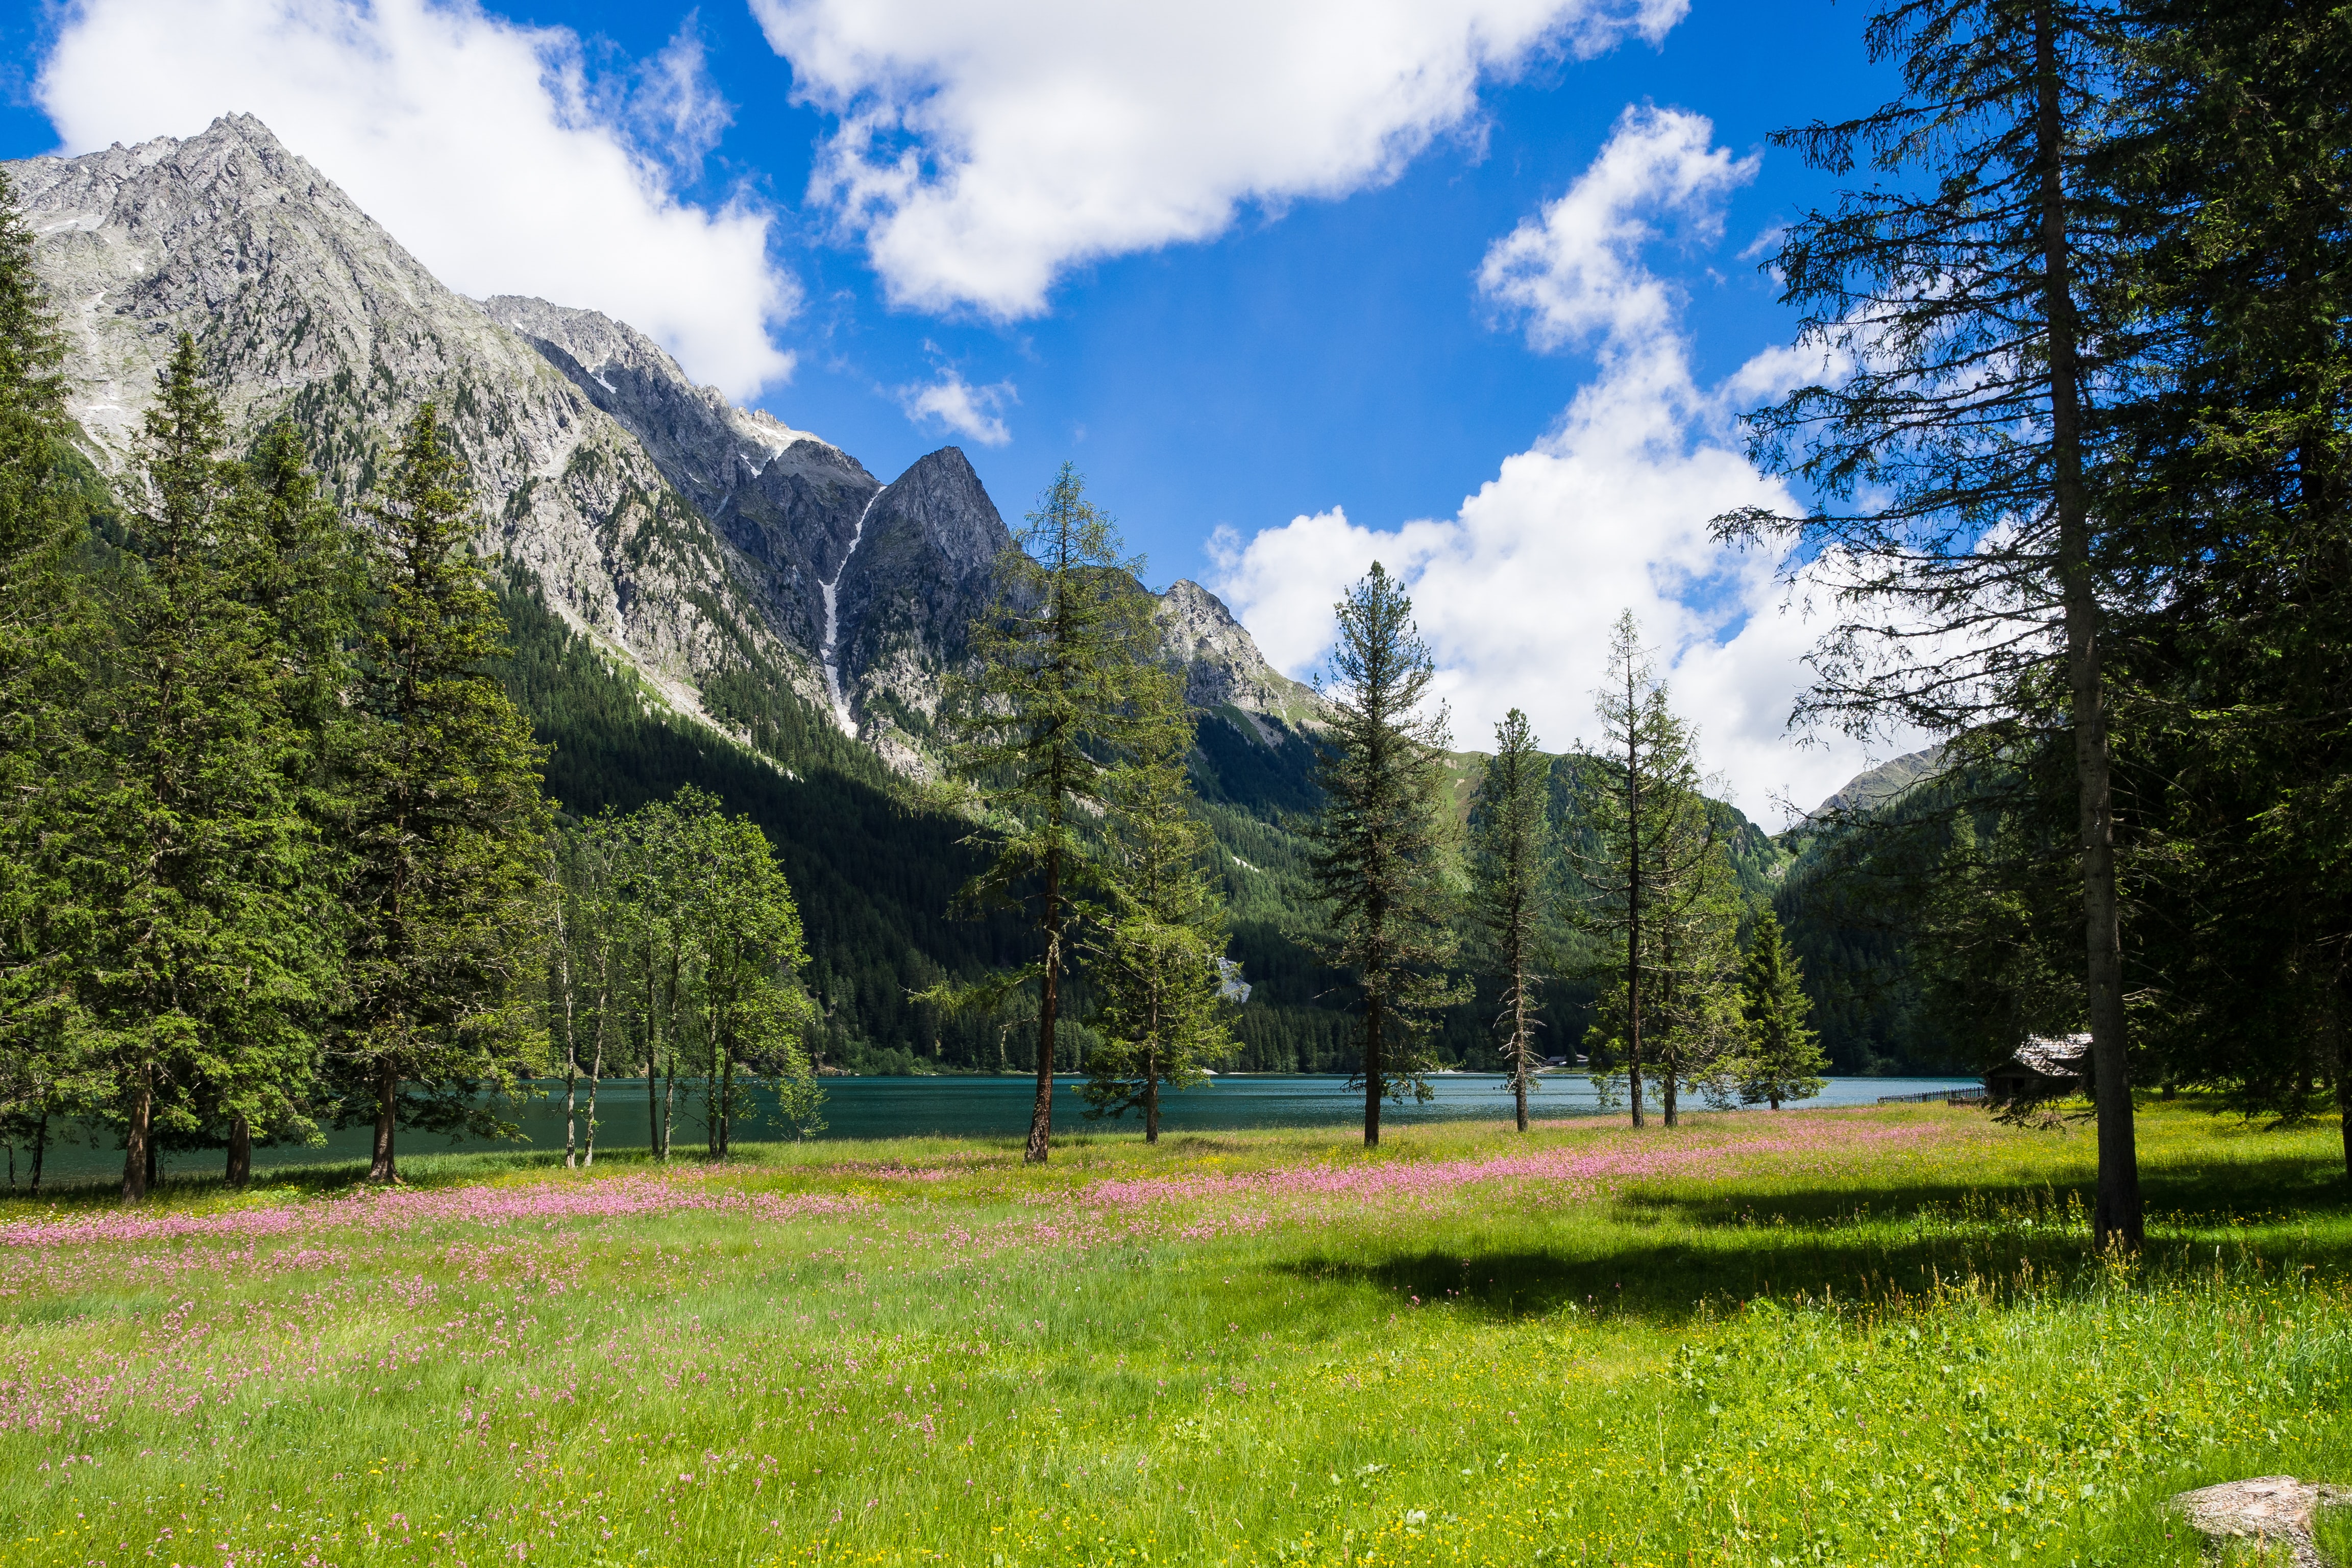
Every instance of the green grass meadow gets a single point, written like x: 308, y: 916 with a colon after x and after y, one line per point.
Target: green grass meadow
x: 1821, y: 1337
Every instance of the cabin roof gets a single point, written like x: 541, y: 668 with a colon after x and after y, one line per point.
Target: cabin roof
x: 2047, y: 1056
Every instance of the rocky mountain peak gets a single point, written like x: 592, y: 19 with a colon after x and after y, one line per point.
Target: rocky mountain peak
x: 787, y: 500
x: 303, y: 308
x: 1222, y: 666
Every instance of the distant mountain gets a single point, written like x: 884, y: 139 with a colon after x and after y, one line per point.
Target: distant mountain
x: 1874, y: 787
x: 698, y: 593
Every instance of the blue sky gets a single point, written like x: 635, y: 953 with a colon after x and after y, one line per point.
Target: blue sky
x: 1265, y: 401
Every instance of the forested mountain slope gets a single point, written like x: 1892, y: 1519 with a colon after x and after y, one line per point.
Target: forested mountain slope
x: 697, y: 592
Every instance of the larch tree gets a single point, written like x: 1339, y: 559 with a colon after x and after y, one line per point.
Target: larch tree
x: 204, y: 950
x: 449, y: 829
x: 1782, y: 1059
x: 1062, y: 657
x: 1951, y: 440
x: 1376, y: 850
x: 1635, y: 791
x: 1510, y: 841
x: 1155, y: 955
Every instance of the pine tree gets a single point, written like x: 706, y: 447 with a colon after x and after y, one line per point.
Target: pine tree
x: 1062, y: 657
x: 1783, y: 1058
x: 202, y: 956
x: 1956, y: 302
x: 1376, y: 862
x: 450, y: 827
x: 44, y: 617
x: 1155, y: 958
x: 1508, y: 853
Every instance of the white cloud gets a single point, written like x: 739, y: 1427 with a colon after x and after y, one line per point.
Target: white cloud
x: 676, y: 107
x: 967, y: 410
x: 1609, y: 511
x: 985, y: 146
x: 477, y: 142
x: 1576, y: 271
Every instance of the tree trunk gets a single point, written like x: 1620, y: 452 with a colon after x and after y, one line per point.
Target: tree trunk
x: 1522, y: 1056
x: 40, y: 1146
x: 136, y: 1165
x: 1373, y: 1024
x: 1669, y: 1083
x: 726, y: 1100
x: 1633, y: 898
x: 381, y: 1165
x: 2117, y: 1217
x: 653, y: 1076
x: 596, y: 1072
x: 2343, y: 1072
x: 1040, y: 1115
x: 1151, y: 1103
x: 570, y: 1039
x: 240, y: 1151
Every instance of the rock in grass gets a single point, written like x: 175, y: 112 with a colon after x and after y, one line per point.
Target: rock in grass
x: 2275, y: 1509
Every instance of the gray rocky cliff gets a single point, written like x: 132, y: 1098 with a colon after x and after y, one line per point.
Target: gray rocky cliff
x: 789, y: 501
x: 923, y: 568
x: 686, y: 536
x: 1222, y: 664
x: 303, y: 308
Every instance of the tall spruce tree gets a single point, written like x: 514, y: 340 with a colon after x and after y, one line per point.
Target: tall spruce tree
x: 1509, y: 849
x: 1155, y: 957
x: 449, y: 829
x: 1954, y: 448
x: 1693, y: 931
x: 1783, y: 1057
x: 1375, y: 856
x: 1063, y: 657
x: 204, y: 954
x: 44, y: 617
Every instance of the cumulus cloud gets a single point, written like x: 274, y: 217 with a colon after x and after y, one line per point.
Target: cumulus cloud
x: 1516, y: 591
x: 479, y: 143
x: 965, y: 409
x: 985, y: 146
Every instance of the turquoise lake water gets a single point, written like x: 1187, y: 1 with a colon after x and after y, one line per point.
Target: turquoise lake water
x: 905, y: 1107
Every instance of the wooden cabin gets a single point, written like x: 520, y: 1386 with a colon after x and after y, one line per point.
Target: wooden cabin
x: 2044, y: 1067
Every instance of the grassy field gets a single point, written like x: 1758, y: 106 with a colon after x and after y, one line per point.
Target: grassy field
x: 1823, y: 1337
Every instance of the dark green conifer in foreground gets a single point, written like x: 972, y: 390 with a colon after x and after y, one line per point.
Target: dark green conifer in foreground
x: 1783, y: 1057
x: 448, y: 826
x: 1377, y: 863
x: 43, y: 620
x: 202, y: 954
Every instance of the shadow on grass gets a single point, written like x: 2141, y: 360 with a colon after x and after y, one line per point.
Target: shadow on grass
x: 1675, y: 1256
